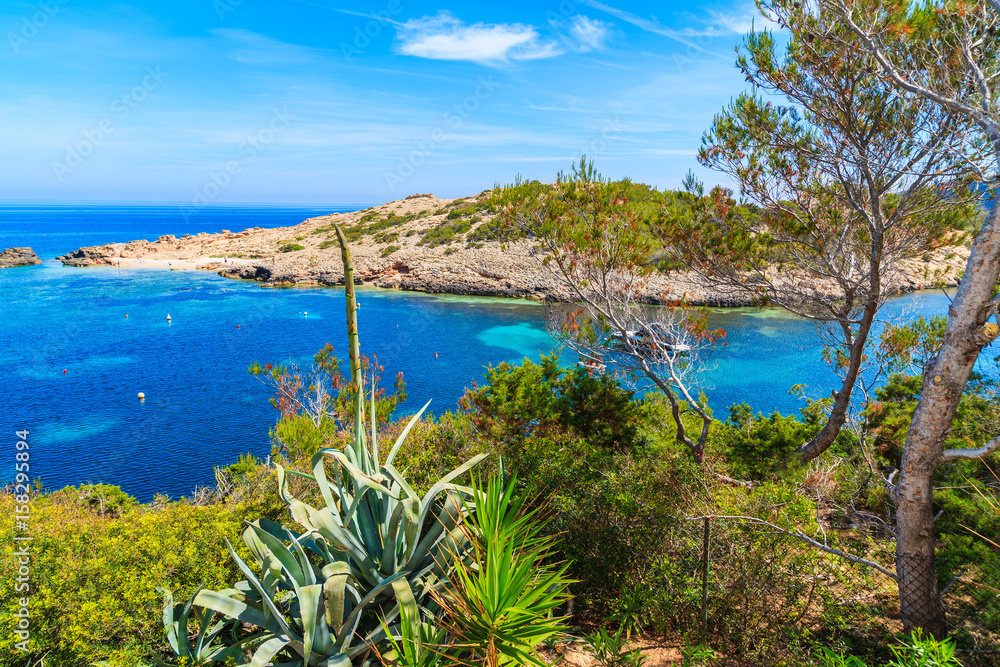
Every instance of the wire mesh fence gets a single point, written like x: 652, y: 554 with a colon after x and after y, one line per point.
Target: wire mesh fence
x: 762, y: 597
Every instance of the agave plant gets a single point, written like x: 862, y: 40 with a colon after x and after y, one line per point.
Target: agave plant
x: 373, y: 522
x: 296, y: 615
x: 381, y: 546
x: 179, y: 620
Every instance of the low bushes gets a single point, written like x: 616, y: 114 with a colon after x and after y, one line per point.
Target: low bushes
x: 97, y: 574
x: 625, y: 500
x: 444, y: 233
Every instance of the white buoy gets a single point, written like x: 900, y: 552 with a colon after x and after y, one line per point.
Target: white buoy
x: 142, y: 396
x: 168, y: 317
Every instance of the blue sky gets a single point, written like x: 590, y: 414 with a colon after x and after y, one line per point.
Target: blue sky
x: 332, y: 102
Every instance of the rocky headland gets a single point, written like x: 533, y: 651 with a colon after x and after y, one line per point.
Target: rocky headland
x: 18, y: 257
x: 425, y: 244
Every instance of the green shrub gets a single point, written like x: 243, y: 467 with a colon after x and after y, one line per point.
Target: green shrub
x: 388, y: 250
x: 386, y: 237
x: 290, y: 247
x: 520, y: 405
x: 488, y: 231
x: 915, y: 651
x: 444, y: 233
x: 102, y: 498
x: 757, y: 447
x: 95, y: 576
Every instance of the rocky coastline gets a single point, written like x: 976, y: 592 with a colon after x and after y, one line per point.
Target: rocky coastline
x: 12, y: 257
x: 425, y: 244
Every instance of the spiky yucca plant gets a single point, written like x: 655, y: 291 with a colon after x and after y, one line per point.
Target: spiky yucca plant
x: 501, y: 605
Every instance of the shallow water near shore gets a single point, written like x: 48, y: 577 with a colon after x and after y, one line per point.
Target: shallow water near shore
x: 202, y: 407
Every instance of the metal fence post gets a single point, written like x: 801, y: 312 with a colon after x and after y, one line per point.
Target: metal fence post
x: 704, y: 582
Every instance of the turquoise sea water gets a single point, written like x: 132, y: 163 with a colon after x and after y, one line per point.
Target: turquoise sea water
x: 202, y: 407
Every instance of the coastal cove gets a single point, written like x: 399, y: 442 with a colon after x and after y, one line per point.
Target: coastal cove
x: 202, y: 407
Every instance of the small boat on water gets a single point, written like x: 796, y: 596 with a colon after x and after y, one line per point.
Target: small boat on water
x: 592, y: 365
x: 655, y: 337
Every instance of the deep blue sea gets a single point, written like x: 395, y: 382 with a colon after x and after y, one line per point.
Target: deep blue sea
x: 202, y: 407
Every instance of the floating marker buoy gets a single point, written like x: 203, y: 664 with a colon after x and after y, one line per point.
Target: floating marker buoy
x: 237, y: 326
x: 435, y: 355
x: 64, y: 371
x: 126, y: 316
x: 168, y: 316
x: 142, y: 396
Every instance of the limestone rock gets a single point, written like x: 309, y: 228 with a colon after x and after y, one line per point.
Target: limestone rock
x: 18, y: 257
x: 391, y: 248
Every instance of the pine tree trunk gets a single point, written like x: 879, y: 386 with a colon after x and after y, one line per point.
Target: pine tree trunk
x: 919, y: 598
x: 945, y: 377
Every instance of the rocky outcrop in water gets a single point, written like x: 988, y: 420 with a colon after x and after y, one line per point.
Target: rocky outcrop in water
x: 18, y: 257
x: 82, y: 257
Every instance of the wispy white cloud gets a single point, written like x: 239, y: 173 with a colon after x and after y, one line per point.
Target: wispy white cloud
x: 655, y: 27
x: 445, y: 37
x: 252, y: 48
x: 737, y: 22
x: 590, y: 34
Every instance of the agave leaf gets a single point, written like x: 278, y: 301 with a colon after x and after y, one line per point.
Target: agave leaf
x: 314, y: 629
x: 257, y: 548
x: 169, y: 623
x: 283, y: 533
x: 411, y: 519
x: 349, y: 517
x: 448, y: 517
x: 338, y: 660
x: 231, y: 608
x: 407, y: 606
x: 320, y: 475
x: 306, y: 566
x: 206, y: 623
x: 282, y: 483
x: 389, y: 547
x: 442, y: 484
x: 329, y: 528
x: 255, y: 582
x: 216, y: 630
x: 334, y: 593
x: 402, y: 436
x: 182, y: 622
x: 351, y: 623
x: 283, y: 554
x: 357, y: 473
x: 359, y: 416
x: 300, y: 510
x: 374, y: 449
x: 398, y: 478
x: 267, y: 650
